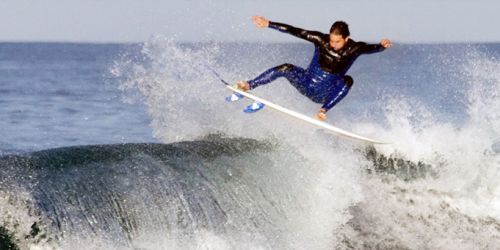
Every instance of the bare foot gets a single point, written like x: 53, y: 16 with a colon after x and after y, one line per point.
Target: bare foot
x: 243, y: 85
x: 321, y: 115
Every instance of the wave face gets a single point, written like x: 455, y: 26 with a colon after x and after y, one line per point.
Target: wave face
x: 214, y: 193
x: 222, y: 193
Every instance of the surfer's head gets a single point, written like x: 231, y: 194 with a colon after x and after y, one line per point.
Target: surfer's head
x: 339, y: 34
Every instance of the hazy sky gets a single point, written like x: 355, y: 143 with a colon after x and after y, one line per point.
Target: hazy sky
x: 229, y: 20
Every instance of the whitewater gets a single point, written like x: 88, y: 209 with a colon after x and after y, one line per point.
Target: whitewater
x: 134, y: 147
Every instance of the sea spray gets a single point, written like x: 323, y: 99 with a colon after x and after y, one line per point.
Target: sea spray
x: 454, y: 208
x: 192, y: 105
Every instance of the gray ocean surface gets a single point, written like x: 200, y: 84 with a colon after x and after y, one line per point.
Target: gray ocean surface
x: 131, y: 146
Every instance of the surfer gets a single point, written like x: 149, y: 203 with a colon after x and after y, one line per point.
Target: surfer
x: 325, y: 80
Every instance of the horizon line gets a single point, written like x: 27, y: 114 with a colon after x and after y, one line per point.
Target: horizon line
x: 226, y: 42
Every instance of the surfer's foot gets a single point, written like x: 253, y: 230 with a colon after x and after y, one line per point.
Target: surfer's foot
x: 321, y: 115
x: 242, y: 85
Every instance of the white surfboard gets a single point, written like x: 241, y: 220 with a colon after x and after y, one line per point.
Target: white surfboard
x: 305, y: 118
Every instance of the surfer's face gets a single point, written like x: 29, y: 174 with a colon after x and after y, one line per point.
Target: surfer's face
x: 337, y: 42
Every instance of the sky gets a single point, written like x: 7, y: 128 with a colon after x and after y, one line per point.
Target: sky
x: 103, y: 21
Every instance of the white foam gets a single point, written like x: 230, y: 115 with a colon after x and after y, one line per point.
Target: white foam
x: 186, y: 102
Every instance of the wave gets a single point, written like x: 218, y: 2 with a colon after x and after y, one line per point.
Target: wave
x: 285, y: 187
x: 438, y: 104
x: 7, y: 240
x: 210, y: 147
x: 101, y: 189
x: 214, y: 192
x: 397, y: 166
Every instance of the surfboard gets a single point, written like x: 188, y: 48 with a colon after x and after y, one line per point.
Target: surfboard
x: 305, y: 118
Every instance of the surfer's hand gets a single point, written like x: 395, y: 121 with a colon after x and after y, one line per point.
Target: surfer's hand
x: 260, y: 21
x: 386, y: 43
x: 321, y: 115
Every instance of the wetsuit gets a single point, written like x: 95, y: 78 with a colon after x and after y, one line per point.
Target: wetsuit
x: 324, y: 81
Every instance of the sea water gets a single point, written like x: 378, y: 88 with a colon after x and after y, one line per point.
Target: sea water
x: 132, y: 146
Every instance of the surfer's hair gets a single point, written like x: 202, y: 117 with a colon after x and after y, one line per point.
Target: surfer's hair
x: 340, y: 28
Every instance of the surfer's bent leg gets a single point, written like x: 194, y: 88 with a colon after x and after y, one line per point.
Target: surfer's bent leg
x: 338, y: 93
x: 291, y: 72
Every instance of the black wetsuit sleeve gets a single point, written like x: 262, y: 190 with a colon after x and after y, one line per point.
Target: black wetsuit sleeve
x: 311, y: 36
x: 369, y: 48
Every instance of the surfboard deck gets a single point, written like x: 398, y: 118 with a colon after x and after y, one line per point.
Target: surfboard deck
x: 306, y: 118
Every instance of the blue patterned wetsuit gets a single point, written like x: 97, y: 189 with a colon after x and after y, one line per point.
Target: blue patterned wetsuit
x: 324, y: 81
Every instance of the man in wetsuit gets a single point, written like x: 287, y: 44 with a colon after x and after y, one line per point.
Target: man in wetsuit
x: 324, y: 81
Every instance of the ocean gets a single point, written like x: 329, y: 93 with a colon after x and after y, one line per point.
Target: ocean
x: 132, y: 146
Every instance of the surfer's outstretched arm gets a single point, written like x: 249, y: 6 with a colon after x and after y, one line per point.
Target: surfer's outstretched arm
x: 364, y: 48
x: 311, y: 36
